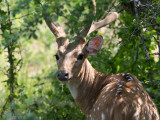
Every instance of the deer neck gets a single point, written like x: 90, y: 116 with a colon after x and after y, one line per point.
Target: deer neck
x: 85, y: 87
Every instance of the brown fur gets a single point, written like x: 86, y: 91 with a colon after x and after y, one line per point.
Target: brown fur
x: 101, y: 96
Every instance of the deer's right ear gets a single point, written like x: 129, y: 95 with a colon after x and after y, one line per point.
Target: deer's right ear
x: 94, y: 45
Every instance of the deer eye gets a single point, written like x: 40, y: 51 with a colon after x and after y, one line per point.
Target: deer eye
x: 80, y: 56
x: 57, y: 57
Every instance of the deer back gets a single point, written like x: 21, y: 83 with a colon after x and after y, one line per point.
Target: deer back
x: 123, y: 98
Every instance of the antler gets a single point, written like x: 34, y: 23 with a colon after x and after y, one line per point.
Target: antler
x: 92, y: 27
x: 110, y: 18
x: 61, y: 35
x: 55, y: 28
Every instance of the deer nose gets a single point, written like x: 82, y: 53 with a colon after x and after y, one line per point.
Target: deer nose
x: 63, y: 76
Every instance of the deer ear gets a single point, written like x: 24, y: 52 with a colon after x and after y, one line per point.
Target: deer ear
x: 94, y: 45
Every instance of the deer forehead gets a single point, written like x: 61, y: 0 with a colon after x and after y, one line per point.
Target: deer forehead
x: 71, y: 49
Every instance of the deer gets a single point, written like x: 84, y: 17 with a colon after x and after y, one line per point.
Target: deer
x: 99, y: 96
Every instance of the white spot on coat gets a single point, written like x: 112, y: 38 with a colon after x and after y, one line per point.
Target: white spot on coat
x: 112, y: 90
x: 134, y: 89
x: 139, y: 84
x: 136, y: 114
x: 140, y: 101
x: 103, y: 116
x: 145, y: 111
x: 107, y: 89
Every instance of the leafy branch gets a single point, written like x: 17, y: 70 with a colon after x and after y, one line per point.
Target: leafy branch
x: 10, y: 48
x: 140, y: 30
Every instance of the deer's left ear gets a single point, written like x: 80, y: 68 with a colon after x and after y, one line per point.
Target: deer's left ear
x: 94, y: 45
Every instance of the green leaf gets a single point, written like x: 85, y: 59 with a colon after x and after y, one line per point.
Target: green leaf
x: 158, y: 20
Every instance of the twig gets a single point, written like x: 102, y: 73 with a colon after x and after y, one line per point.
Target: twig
x: 140, y: 30
x: 135, y: 30
x: 94, y: 4
x: 28, y: 14
x: 154, y: 54
x: 150, y: 25
x: 4, y: 106
x: 112, y: 6
x: 20, y: 61
x: 158, y: 42
x: 4, y: 72
x: 144, y: 46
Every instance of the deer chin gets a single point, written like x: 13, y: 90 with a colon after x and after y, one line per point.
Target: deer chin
x: 64, y: 81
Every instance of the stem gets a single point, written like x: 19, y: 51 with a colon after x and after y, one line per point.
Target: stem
x: 94, y: 4
x: 140, y: 33
x: 11, y: 70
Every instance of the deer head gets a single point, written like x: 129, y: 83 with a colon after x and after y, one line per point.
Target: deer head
x: 71, y: 55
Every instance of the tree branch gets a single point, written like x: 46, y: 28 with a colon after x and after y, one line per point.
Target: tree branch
x: 158, y: 42
x: 94, y: 4
x: 21, y: 16
x: 11, y: 70
x: 140, y: 31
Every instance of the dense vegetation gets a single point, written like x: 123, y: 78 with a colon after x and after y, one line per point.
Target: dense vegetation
x: 29, y: 89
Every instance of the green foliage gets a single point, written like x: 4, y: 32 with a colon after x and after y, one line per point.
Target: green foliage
x: 29, y: 89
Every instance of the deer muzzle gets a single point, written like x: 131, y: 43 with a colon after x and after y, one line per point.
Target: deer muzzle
x: 62, y: 76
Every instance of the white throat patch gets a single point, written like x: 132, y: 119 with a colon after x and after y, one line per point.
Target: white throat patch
x: 73, y: 89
